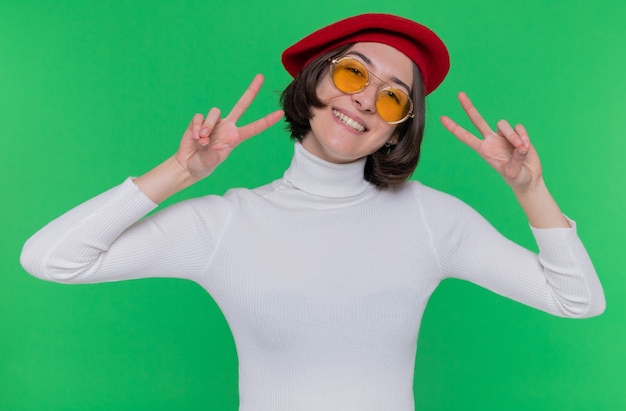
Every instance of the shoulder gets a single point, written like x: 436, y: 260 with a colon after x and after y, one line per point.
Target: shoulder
x: 231, y: 200
x: 438, y: 207
x: 431, y: 197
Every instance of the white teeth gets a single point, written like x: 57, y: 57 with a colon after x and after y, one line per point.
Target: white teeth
x: 348, y: 121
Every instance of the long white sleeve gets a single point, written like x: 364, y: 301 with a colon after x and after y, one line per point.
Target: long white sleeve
x: 106, y: 239
x: 560, y: 280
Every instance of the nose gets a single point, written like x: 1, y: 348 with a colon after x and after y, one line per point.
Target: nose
x: 366, y: 98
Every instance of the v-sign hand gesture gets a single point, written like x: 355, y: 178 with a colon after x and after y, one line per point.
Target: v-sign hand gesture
x: 204, y: 145
x: 508, y: 150
x: 208, y: 141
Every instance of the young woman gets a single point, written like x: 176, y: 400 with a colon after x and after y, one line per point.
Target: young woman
x: 323, y: 275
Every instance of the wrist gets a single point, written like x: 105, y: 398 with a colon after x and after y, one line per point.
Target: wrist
x: 540, y: 207
x: 535, y: 188
x: 165, y: 180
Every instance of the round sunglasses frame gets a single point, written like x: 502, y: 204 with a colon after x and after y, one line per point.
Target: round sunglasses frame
x: 387, y: 86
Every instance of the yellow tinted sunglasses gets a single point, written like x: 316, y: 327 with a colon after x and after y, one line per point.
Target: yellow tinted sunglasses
x: 351, y: 76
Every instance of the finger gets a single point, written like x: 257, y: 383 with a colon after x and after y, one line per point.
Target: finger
x: 505, y: 130
x: 521, y: 131
x: 246, y: 98
x: 460, y: 133
x: 260, y: 125
x: 195, y: 125
x: 212, y: 118
x: 210, y: 121
x: 473, y: 114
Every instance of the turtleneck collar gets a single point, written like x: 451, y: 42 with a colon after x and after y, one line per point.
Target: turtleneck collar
x: 313, y: 175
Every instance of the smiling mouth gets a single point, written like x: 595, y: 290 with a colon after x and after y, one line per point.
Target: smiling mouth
x: 349, y: 121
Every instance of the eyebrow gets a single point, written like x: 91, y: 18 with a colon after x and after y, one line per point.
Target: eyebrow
x: 369, y: 62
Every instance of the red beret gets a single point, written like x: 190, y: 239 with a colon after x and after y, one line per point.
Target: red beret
x: 417, y: 42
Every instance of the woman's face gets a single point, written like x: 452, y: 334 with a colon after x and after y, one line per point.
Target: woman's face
x: 347, y: 128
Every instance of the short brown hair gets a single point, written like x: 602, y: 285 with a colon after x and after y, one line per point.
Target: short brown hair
x: 388, y: 167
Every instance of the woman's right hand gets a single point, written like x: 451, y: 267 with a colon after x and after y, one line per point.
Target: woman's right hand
x: 209, y: 140
x: 204, y: 145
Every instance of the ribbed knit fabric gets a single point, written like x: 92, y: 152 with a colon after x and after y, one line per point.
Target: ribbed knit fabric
x: 322, y: 277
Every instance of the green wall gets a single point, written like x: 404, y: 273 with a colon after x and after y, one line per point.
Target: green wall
x: 92, y: 92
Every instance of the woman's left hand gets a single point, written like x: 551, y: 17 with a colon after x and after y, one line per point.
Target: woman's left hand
x: 508, y: 150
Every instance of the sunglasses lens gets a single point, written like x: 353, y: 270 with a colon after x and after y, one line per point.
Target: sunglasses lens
x: 392, y: 105
x: 349, y: 75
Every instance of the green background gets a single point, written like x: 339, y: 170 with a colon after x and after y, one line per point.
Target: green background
x: 92, y: 92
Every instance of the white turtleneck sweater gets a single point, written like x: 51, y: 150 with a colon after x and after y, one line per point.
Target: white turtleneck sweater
x: 322, y: 277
